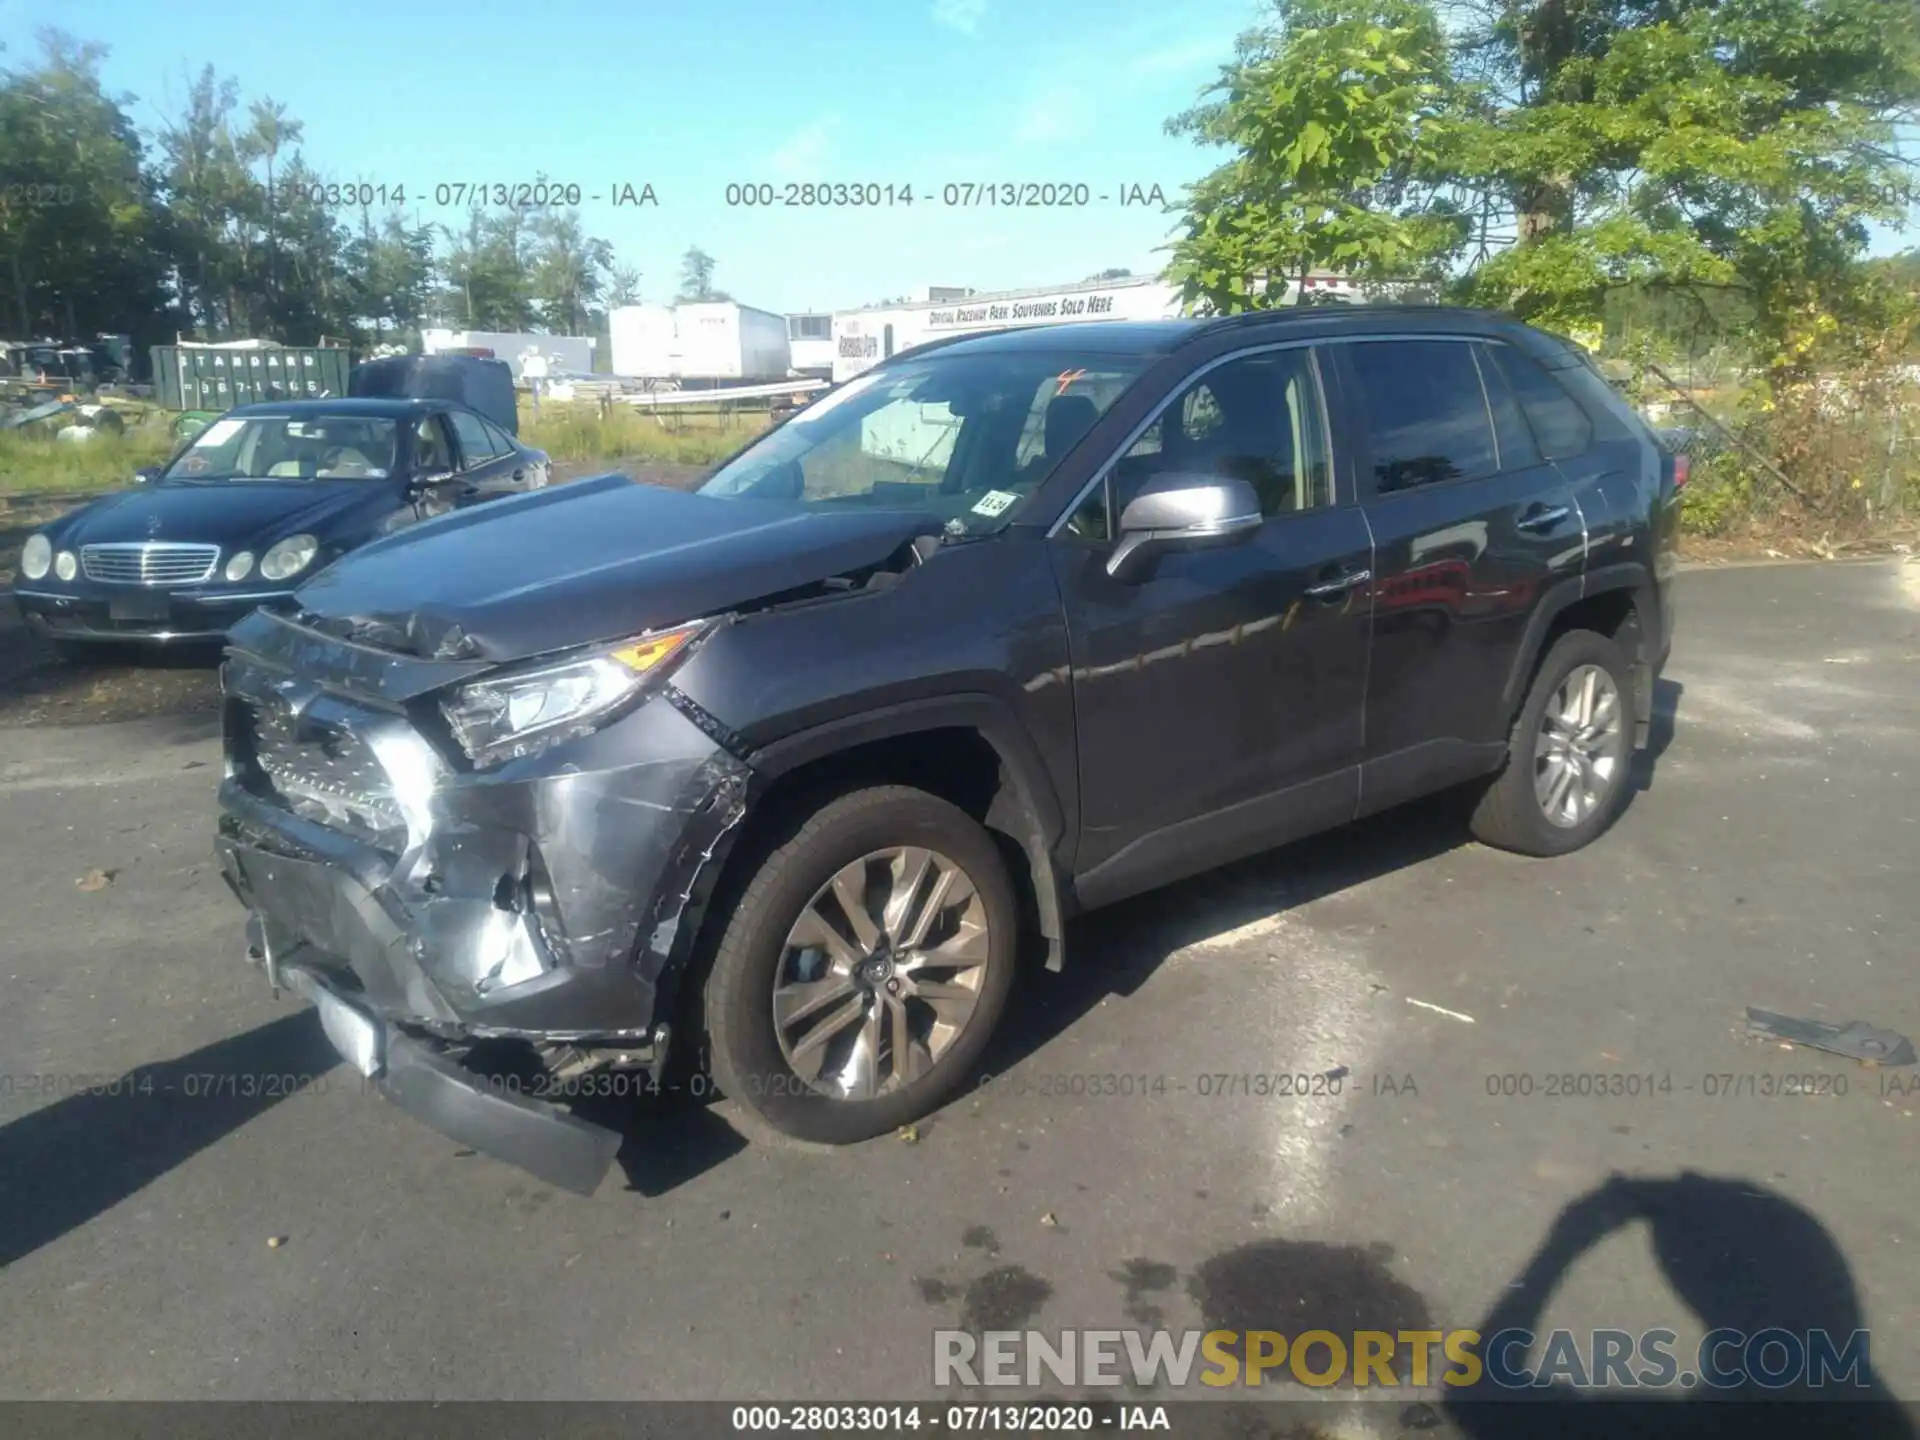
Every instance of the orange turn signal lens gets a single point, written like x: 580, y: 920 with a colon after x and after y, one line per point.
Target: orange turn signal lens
x: 647, y: 653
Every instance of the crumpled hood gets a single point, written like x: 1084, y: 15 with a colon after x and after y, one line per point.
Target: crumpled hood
x: 233, y: 514
x: 590, y: 561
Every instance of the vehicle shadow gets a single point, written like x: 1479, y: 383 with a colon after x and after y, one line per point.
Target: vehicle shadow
x: 1114, y: 951
x: 37, y: 686
x: 1666, y: 708
x: 1743, y: 1258
x: 76, y: 1158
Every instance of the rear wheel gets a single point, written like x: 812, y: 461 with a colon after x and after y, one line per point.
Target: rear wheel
x: 864, y: 968
x: 1568, y: 755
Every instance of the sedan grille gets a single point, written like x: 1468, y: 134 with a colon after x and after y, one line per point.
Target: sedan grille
x: 328, y: 775
x: 149, y: 562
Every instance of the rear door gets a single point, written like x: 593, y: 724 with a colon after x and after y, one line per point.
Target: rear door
x: 1471, y: 526
x: 1218, y: 693
x: 489, y: 469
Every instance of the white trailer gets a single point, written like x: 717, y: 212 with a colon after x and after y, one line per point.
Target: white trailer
x: 566, y: 354
x: 863, y: 338
x: 711, y: 341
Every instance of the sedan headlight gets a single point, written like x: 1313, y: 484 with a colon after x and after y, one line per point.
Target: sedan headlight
x: 239, y: 565
x: 36, y: 557
x: 65, y: 566
x: 288, y: 558
x: 507, y: 716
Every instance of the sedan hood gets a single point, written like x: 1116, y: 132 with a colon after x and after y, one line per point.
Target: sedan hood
x: 233, y: 514
x: 590, y: 561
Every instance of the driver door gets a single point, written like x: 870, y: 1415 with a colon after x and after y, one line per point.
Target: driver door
x: 434, y: 456
x: 1219, y: 692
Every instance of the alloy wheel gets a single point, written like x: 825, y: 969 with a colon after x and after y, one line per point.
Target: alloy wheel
x: 881, y: 973
x: 1579, y: 755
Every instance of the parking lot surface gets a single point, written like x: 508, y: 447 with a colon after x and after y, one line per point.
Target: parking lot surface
x: 202, y: 1233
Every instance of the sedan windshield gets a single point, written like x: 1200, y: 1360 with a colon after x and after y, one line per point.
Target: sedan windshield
x: 288, y: 447
x: 964, y: 436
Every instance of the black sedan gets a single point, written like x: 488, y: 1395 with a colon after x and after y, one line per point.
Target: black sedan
x: 260, y: 500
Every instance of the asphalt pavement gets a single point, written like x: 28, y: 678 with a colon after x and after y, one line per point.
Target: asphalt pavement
x: 201, y: 1233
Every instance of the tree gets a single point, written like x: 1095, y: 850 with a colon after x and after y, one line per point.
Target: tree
x: 623, y: 286
x: 271, y: 132
x: 1334, y: 116
x: 696, y: 277
x: 1547, y: 155
x: 80, y: 237
x: 1111, y: 275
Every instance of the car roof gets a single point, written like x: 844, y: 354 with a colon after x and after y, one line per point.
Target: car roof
x: 1149, y: 338
x: 371, y: 407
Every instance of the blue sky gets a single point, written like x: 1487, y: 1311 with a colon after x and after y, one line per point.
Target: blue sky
x: 688, y: 97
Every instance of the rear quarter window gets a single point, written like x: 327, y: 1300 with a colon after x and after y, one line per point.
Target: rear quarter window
x: 1560, y: 423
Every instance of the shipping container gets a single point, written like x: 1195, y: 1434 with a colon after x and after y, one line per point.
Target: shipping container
x: 704, y: 340
x: 191, y: 377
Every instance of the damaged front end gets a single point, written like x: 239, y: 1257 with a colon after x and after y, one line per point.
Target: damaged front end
x: 437, y: 860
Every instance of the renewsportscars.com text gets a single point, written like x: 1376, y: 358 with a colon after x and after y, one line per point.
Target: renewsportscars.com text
x: 1775, y: 1359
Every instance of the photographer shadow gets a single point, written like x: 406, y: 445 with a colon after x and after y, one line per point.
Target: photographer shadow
x: 1743, y: 1258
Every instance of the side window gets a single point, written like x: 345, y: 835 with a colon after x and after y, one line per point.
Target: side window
x: 1257, y: 418
x: 476, y: 446
x: 501, y: 441
x: 431, y: 452
x: 1517, y: 448
x: 1427, y: 418
x: 1558, y: 422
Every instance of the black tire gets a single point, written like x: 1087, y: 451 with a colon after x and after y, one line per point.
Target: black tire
x: 737, y: 999
x: 1508, y: 815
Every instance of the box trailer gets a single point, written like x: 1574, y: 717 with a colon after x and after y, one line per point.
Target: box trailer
x: 219, y: 377
x: 713, y: 341
x: 566, y: 354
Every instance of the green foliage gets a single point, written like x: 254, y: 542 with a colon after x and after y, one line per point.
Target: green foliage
x: 580, y: 432
x: 1717, y: 161
x: 1333, y: 118
x: 106, y: 462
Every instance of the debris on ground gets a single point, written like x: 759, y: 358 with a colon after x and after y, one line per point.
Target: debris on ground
x: 910, y: 1134
x: 96, y: 879
x: 274, y: 1242
x: 1856, y: 1040
x: 1050, y: 1219
x: 1441, y: 1010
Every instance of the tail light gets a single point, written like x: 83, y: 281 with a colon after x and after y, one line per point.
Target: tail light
x: 1682, y: 469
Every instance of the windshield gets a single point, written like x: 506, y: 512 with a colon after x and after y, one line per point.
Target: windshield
x: 964, y: 436
x: 283, y: 447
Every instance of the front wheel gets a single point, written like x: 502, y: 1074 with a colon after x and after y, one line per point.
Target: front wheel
x: 1569, y: 753
x: 864, y: 968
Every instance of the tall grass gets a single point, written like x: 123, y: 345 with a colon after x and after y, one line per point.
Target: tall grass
x: 581, y: 432
x: 30, y: 463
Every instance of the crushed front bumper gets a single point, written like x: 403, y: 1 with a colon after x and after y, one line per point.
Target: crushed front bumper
x: 539, y: 1138
x: 550, y: 900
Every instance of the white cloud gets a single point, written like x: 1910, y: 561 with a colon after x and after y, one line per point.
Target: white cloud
x: 1056, y: 116
x: 1201, y: 53
x: 804, y: 152
x: 961, y: 15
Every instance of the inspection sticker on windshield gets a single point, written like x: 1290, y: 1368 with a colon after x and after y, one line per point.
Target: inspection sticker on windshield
x: 218, y: 433
x: 993, y: 502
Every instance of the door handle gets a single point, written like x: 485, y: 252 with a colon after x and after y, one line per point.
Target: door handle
x: 1339, y: 585
x: 1543, y: 519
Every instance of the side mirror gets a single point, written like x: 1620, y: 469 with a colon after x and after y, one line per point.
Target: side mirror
x: 1179, y: 511
x: 146, y: 475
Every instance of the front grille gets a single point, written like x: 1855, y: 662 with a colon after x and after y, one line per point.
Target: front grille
x: 325, y: 774
x: 149, y: 562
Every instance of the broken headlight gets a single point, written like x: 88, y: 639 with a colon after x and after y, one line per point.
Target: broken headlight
x: 519, y: 713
